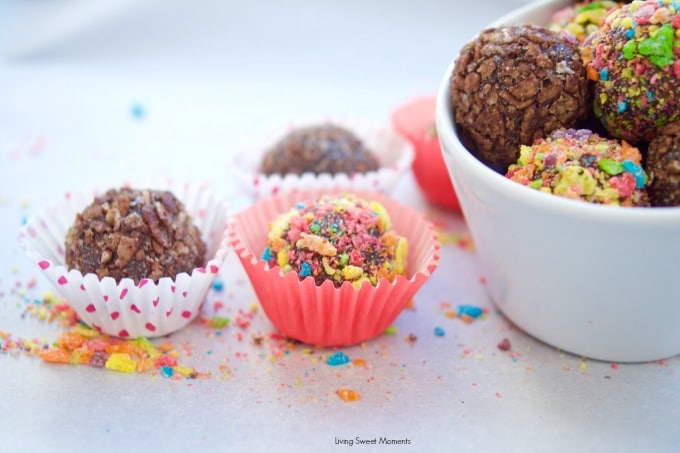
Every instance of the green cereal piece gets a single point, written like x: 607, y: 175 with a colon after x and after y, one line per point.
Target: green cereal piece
x: 610, y: 166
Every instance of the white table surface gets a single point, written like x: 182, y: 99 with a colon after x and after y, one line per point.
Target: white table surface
x: 207, y: 77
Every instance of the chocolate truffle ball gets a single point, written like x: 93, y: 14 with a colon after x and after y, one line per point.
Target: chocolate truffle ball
x: 663, y: 166
x: 325, y: 148
x: 633, y: 60
x: 514, y: 84
x: 136, y: 234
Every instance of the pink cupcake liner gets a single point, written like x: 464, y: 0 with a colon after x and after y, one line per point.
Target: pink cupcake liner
x: 395, y: 155
x: 325, y: 315
x: 126, y: 309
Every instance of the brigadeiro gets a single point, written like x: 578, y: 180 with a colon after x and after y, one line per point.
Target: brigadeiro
x: 663, y: 166
x: 323, y: 148
x: 514, y: 84
x: 634, y: 63
x: 135, y: 234
x: 131, y: 262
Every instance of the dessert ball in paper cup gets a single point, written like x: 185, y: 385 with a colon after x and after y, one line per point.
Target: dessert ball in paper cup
x: 331, y: 312
x: 136, y: 305
x: 324, y: 153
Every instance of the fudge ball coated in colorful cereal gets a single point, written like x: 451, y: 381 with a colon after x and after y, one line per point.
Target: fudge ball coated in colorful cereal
x: 338, y: 239
x: 581, y: 165
x: 582, y: 18
x: 634, y: 62
x: 514, y: 84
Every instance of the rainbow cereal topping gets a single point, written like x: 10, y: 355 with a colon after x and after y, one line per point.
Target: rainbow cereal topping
x: 581, y: 165
x: 582, y: 19
x: 338, y: 239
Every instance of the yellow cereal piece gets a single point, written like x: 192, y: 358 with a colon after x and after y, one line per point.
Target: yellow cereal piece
x: 400, y: 255
x: 351, y: 272
x: 85, y: 331
x: 330, y: 270
x: 119, y: 361
x: 384, y: 222
x: 148, y: 347
x: 577, y: 177
x: 282, y: 258
x: 183, y: 370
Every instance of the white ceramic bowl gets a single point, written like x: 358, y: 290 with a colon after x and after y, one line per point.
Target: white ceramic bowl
x: 593, y: 280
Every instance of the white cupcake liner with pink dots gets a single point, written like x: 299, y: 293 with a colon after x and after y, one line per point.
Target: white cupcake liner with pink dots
x: 126, y: 309
x: 395, y: 156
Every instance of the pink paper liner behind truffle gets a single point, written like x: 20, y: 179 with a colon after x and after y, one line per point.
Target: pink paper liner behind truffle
x: 325, y: 315
x: 126, y: 309
x: 395, y: 155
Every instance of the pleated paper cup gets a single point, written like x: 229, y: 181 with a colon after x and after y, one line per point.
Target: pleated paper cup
x: 126, y: 309
x: 324, y: 315
x: 394, y: 153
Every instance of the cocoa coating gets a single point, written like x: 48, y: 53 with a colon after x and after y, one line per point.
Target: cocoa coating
x: 325, y: 148
x: 514, y: 84
x: 663, y: 166
x: 134, y: 233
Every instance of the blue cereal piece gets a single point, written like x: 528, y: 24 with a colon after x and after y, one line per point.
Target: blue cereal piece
x: 338, y: 358
x: 470, y: 310
x: 438, y: 331
x: 637, y: 171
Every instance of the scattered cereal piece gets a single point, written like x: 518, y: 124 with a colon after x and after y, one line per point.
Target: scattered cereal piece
x: 338, y: 358
x: 439, y: 332
x: 504, y: 345
x: 120, y: 361
x: 348, y: 395
x: 391, y: 330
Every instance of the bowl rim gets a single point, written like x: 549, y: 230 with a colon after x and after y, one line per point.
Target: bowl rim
x: 453, y: 148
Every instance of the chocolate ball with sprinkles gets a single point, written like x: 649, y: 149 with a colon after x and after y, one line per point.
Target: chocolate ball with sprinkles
x: 323, y: 148
x: 581, y: 165
x: 663, y: 166
x: 338, y: 239
x: 134, y: 233
x: 634, y: 61
x: 514, y: 84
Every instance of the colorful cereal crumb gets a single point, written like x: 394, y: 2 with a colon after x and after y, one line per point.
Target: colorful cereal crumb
x: 85, y: 346
x: 504, y: 345
x: 439, y: 332
x: 391, y: 330
x: 348, y: 395
x: 338, y: 358
x: 218, y: 322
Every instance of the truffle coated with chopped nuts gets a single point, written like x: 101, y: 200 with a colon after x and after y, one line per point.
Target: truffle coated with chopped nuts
x: 514, y: 84
x: 663, y: 166
x: 136, y: 234
x: 324, y: 148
